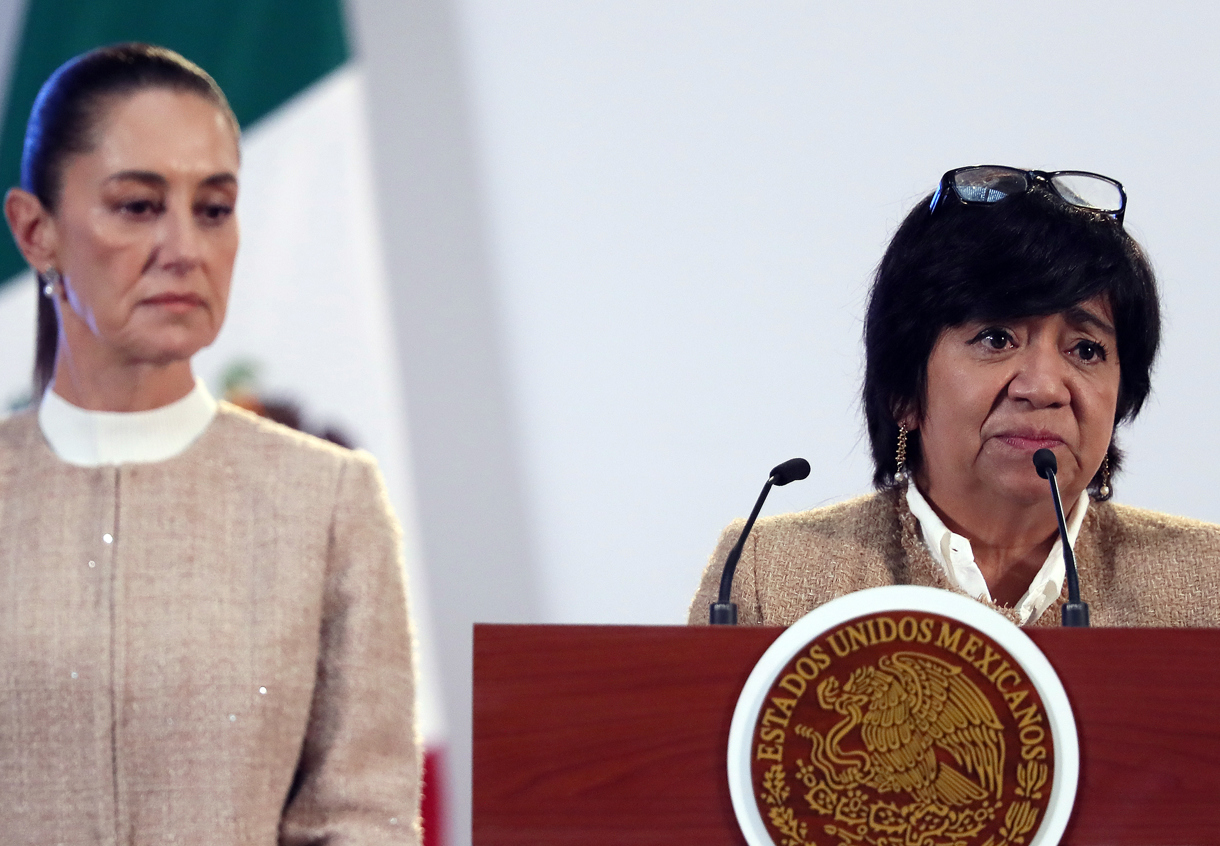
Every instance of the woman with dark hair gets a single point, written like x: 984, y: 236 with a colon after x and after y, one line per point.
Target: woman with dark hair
x: 1010, y: 313
x: 203, y: 628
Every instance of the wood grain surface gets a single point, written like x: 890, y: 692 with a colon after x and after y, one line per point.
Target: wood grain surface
x: 600, y: 735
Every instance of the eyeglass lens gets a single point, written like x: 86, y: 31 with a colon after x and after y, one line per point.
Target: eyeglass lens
x: 989, y: 184
x: 1081, y: 189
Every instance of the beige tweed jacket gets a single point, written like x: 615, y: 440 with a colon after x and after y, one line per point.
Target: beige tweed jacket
x: 1137, y: 568
x: 212, y: 649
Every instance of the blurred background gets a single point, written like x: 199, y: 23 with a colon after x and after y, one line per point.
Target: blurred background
x: 580, y: 274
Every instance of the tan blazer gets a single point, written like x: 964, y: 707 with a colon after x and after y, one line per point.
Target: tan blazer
x: 1137, y: 568
x: 212, y: 649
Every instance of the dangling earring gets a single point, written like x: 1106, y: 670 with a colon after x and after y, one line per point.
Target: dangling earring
x: 1104, y: 490
x: 900, y: 454
x: 50, y: 281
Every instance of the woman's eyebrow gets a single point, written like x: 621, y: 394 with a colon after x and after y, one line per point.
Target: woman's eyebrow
x: 148, y: 177
x: 1081, y: 316
x: 225, y: 178
x: 156, y: 180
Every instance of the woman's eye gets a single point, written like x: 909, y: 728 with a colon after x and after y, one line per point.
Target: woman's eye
x: 1090, y: 351
x: 993, y: 338
x: 140, y: 208
x: 214, y: 212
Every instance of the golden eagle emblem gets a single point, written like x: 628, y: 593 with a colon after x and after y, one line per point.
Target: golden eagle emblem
x: 904, y: 731
x: 906, y: 707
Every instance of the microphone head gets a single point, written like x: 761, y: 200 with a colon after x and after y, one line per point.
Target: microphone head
x: 792, y: 470
x: 1045, y: 463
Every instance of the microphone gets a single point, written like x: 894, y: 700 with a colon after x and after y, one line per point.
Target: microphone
x: 1075, y: 612
x: 724, y: 612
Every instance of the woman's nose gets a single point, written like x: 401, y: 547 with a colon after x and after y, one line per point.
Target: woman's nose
x: 180, y: 243
x: 1041, y: 378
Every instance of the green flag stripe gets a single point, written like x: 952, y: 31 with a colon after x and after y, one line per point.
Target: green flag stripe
x: 261, y: 52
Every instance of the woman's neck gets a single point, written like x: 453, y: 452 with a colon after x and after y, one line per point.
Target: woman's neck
x: 1010, y: 541
x: 120, y: 386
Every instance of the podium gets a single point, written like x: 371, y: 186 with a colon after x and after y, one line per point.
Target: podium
x: 601, y: 735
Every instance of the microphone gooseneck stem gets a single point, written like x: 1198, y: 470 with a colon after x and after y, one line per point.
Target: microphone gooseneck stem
x: 724, y: 612
x: 1075, y: 612
x: 1069, y: 557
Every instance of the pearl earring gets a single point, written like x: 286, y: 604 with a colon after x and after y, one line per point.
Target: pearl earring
x: 50, y: 280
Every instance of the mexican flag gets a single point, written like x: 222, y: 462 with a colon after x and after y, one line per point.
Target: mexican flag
x: 308, y: 334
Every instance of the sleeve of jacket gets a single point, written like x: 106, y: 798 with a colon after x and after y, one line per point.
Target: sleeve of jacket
x: 358, y: 779
x: 744, y: 593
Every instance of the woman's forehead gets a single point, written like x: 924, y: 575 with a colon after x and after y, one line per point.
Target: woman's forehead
x: 159, y: 105
x: 161, y: 130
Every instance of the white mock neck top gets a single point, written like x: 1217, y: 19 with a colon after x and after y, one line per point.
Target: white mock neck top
x: 99, y: 438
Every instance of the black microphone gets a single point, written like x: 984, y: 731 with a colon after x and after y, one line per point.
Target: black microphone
x: 1075, y: 612
x: 724, y: 612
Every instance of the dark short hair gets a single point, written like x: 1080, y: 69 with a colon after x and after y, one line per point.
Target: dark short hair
x: 64, y: 121
x: 1030, y: 254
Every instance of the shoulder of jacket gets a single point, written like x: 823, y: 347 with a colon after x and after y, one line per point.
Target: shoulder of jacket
x: 1126, y: 523
x: 851, y: 514
x: 865, y: 522
x: 237, y: 425
x: 18, y: 427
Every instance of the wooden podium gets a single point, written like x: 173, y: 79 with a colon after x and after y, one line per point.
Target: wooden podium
x: 600, y: 735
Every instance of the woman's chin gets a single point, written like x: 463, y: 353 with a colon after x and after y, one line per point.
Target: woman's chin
x: 162, y: 355
x: 172, y: 344
x: 1026, y: 494
x: 1013, y: 483
x: 1025, y: 488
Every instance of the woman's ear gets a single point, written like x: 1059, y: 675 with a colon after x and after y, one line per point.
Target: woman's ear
x: 33, y: 228
x: 908, y: 419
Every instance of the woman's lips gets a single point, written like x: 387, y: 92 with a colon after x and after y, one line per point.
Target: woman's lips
x: 1030, y: 441
x: 175, y: 302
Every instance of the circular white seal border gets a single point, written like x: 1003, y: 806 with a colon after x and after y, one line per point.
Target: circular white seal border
x: 905, y: 598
